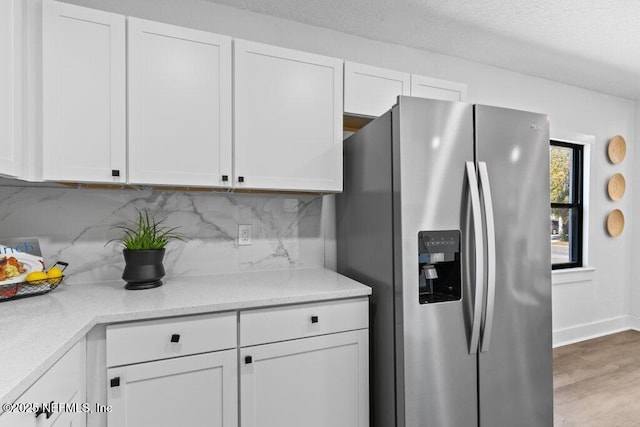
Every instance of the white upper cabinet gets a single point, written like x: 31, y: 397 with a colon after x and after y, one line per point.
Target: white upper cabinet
x: 370, y: 91
x: 157, y: 104
x: 10, y: 87
x: 179, y: 106
x: 288, y: 119
x: 84, y: 105
x: 428, y: 87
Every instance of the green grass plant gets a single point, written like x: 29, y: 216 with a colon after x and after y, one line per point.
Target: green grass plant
x: 147, y: 232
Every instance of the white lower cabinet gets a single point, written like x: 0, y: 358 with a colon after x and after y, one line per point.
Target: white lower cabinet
x: 61, y: 389
x: 172, y: 372
x: 305, y: 365
x: 70, y: 419
x: 312, y: 382
x: 293, y: 365
x: 197, y: 390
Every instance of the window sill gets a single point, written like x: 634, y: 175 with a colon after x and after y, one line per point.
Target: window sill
x: 572, y: 275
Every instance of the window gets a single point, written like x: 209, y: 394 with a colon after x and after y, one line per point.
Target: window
x: 566, y: 172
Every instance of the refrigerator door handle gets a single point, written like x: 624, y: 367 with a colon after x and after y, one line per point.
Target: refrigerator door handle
x: 491, y: 256
x: 479, y: 257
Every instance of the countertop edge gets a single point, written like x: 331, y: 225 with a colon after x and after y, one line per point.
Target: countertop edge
x: 232, y: 306
x: 66, y: 343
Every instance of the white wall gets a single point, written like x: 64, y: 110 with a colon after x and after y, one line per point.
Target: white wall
x: 598, y: 302
x: 634, y: 282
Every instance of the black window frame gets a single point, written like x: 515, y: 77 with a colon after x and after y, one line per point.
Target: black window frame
x: 577, y: 187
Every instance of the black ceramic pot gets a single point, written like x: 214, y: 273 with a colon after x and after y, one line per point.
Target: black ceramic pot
x: 143, y: 268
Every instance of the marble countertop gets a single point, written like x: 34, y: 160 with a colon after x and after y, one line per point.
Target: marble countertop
x: 35, y: 332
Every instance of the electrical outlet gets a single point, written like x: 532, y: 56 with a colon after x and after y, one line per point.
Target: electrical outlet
x: 244, y: 235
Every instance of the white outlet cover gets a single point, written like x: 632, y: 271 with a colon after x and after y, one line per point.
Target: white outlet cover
x: 244, y: 235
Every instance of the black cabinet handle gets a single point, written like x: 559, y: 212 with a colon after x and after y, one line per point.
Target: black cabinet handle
x: 248, y: 359
x: 40, y: 411
x: 225, y: 178
x: 241, y: 179
x: 175, y: 338
x: 115, y: 382
x: 50, y: 411
x: 314, y: 319
x: 115, y: 172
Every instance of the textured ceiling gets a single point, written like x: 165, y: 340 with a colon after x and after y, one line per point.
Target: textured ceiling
x: 588, y: 43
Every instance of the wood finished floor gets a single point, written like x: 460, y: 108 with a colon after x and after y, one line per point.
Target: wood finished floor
x: 597, y: 382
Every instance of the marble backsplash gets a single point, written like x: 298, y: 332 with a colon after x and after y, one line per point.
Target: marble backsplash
x: 73, y: 225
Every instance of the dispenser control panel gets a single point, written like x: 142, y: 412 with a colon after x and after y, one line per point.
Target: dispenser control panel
x: 439, y: 268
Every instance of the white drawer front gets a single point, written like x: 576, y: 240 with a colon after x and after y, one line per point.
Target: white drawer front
x: 164, y: 338
x: 302, y: 320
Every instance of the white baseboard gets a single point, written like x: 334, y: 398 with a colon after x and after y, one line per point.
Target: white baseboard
x: 634, y: 323
x: 593, y: 330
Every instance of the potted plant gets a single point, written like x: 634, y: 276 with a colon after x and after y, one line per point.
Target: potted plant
x: 144, y: 242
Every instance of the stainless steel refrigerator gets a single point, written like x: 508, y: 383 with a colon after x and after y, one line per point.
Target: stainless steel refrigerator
x: 445, y: 214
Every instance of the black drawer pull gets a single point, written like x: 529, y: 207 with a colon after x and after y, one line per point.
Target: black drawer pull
x: 241, y: 179
x: 225, y: 178
x: 314, y: 319
x: 115, y: 382
x: 50, y: 411
x: 115, y: 172
x: 40, y: 411
x: 175, y: 338
x: 45, y: 409
x: 248, y: 359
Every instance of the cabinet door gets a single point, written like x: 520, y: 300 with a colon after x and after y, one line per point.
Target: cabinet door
x: 371, y: 91
x: 288, y: 119
x: 62, y: 386
x: 428, y: 87
x: 179, y: 105
x: 10, y: 87
x: 312, y: 382
x: 83, y: 94
x: 19, y: 419
x: 71, y: 419
x: 186, y: 391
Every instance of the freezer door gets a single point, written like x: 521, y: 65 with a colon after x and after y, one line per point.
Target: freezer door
x: 515, y: 366
x: 436, y: 375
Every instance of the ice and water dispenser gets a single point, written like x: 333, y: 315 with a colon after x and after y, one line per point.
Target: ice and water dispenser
x: 439, y: 266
